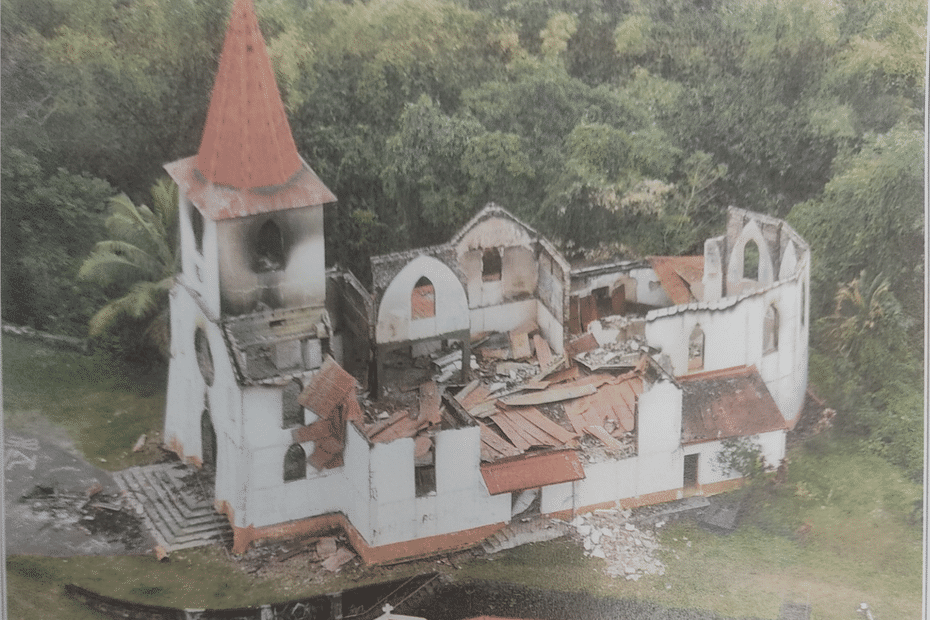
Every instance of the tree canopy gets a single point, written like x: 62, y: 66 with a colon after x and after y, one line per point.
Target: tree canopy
x: 629, y: 123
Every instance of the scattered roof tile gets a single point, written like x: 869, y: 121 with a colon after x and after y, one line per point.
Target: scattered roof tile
x: 678, y: 275
x: 330, y: 394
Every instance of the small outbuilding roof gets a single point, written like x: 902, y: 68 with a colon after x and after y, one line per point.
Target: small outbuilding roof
x: 723, y: 404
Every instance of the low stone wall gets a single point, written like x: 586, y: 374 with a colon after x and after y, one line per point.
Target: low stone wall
x: 64, y: 342
x: 370, y: 599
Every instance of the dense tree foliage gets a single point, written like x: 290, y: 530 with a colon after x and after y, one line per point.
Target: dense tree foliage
x: 623, y: 123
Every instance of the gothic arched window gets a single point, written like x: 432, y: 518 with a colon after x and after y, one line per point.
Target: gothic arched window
x: 423, y: 300
x: 751, y: 261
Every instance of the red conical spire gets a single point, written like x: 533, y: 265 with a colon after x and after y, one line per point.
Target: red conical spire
x: 247, y: 140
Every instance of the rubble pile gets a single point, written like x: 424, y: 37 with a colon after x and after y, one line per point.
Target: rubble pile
x: 94, y: 513
x: 628, y: 549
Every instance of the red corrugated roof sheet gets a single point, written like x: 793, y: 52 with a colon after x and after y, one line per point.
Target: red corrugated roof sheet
x: 247, y: 140
x: 330, y: 394
x: 677, y: 275
x: 529, y: 471
x: 722, y: 404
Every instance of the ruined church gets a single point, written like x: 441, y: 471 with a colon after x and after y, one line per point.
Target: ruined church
x: 479, y: 380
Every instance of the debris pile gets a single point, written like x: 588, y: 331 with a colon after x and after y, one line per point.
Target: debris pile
x: 313, y: 555
x: 95, y: 513
x: 629, y: 550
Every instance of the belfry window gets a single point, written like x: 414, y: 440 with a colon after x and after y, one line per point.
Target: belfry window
x: 269, y: 248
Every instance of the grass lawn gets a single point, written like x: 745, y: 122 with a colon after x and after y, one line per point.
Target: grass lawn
x: 864, y: 545
x: 101, y: 409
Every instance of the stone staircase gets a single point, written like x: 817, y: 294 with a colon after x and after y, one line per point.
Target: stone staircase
x: 176, y: 503
x: 525, y: 531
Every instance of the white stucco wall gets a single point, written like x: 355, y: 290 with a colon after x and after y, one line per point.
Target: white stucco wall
x: 199, y: 269
x: 302, y: 282
x: 461, y: 500
x: 648, y: 289
x: 394, y: 318
x: 772, y: 445
x: 552, y: 329
x: 503, y: 317
x: 733, y: 336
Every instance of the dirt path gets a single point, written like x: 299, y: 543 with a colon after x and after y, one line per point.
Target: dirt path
x: 48, y: 509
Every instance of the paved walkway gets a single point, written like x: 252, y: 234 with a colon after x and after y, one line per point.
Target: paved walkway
x: 48, y: 511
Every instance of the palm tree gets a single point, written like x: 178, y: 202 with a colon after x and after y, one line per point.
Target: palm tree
x: 863, y: 307
x: 141, y: 258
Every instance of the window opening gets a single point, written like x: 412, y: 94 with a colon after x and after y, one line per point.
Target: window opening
x: 292, y: 412
x: 207, y: 439
x: 491, y: 265
x: 423, y: 300
x: 770, y: 330
x: 425, y: 479
x: 269, y: 248
x: 691, y: 470
x: 803, y: 302
x: 204, y: 357
x: 696, y: 349
x: 295, y: 463
x: 603, y: 301
x: 197, y: 227
x: 751, y: 261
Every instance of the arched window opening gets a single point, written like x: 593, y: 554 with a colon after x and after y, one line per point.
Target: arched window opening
x: 204, y: 357
x: 770, y: 330
x: 207, y: 439
x: 197, y: 227
x: 269, y: 248
x: 696, y: 349
x: 423, y: 300
x: 491, y: 265
x: 295, y: 463
x: 292, y: 412
x: 751, y: 261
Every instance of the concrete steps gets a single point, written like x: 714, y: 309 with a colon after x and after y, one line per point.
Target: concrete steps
x: 522, y: 532
x: 176, y: 506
